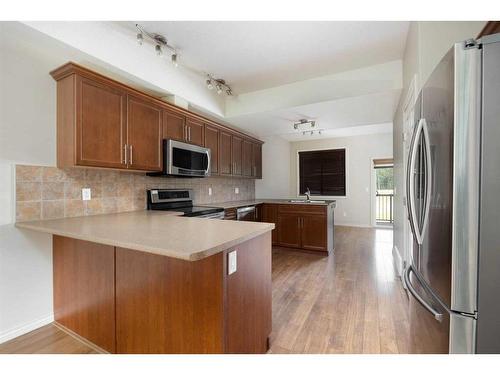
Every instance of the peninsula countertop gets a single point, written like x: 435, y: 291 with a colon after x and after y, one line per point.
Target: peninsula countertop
x: 236, y: 204
x: 158, y: 232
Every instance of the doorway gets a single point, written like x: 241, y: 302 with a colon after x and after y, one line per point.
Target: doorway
x: 383, y: 197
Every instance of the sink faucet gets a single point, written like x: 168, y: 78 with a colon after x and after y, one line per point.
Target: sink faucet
x: 308, y: 194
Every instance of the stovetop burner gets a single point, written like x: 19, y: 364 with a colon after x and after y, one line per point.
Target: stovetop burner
x: 178, y: 200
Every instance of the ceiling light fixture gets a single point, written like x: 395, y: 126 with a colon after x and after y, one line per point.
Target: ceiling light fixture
x: 161, y: 46
x: 306, y: 127
x: 219, y: 84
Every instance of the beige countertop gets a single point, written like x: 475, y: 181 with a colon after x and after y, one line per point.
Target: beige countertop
x: 235, y: 204
x: 158, y: 232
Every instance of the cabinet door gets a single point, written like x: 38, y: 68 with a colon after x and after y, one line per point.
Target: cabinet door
x: 212, y: 142
x: 174, y: 126
x: 313, y: 229
x: 247, y: 159
x: 100, y: 124
x: 289, y: 230
x: 144, y: 128
x: 225, y: 160
x: 195, y: 131
x: 270, y: 215
x: 237, y: 148
x: 257, y: 160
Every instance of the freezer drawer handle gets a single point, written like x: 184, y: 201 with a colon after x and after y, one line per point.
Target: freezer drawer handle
x: 437, y: 315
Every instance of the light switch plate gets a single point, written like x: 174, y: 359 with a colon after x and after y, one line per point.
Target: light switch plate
x: 236, y: 190
x: 231, y: 262
x: 86, y: 195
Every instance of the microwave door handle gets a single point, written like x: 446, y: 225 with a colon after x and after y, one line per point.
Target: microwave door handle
x: 208, y: 162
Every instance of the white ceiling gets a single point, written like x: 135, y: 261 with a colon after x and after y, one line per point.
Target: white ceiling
x: 254, y: 55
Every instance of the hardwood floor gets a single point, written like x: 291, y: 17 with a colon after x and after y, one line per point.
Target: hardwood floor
x: 351, y: 302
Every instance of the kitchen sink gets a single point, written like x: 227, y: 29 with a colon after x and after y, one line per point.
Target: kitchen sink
x: 304, y: 201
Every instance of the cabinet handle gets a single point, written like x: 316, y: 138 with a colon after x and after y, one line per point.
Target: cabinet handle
x: 131, y: 160
x: 125, y: 153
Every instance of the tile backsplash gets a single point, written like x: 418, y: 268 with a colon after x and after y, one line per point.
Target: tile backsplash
x: 50, y: 192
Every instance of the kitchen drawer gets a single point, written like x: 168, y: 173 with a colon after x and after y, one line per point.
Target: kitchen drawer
x: 302, y: 208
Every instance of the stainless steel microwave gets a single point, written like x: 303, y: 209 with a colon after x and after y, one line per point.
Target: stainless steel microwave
x: 183, y: 159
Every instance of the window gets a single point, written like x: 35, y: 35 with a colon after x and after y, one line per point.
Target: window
x: 323, y: 172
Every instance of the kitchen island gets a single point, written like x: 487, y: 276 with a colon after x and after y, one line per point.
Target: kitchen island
x: 155, y: 282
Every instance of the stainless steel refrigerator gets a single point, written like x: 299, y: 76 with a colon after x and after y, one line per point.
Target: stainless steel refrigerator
x: 453, y: 190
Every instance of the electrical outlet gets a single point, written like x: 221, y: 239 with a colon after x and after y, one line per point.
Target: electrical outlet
x: 236, y: 190
x: 209, y: 191
x: 86, y: 194
x: 231, y: 262
x: 345, y: 213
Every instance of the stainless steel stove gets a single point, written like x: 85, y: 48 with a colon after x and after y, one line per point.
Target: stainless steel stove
x: 181, y: 201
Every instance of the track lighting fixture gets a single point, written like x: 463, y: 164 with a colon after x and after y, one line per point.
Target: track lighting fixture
x: 161, y: 47
x: 306, y: 127
x: 173, y: 58
x: 219, y: 84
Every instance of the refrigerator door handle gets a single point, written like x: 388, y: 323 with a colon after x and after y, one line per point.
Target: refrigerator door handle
x: 428, y: 179
x: 411, y: 188
x: 437, y: 315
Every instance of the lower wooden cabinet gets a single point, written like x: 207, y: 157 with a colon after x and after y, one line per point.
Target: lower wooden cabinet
x: 307, y: 227
x: 128, y: 301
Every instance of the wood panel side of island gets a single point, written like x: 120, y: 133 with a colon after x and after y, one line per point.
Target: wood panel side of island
x: 167, y: 305
x: 84, y: 289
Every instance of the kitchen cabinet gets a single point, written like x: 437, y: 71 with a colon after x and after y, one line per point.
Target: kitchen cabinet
x: 256, y: 160
x: 301, y: 226
x: 144, y: 133
x: 237, y: 155
x: 289, y: 230
x: 101, y: 124
x: 247, y: 158
x: 107, y: 124
x: 194, y: 131
x: 174, y: 126
x: 212, y: 142
x: 270, y: 215
x: 230, y: 213
x: 225, y: 159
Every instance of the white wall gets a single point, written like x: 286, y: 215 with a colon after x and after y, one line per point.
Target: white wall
x: 355, y: 209
x: 27, y: 135
x: 427, y: 43
x: 275, y: 169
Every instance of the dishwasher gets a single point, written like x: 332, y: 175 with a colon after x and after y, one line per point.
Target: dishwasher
x: 246, y: 214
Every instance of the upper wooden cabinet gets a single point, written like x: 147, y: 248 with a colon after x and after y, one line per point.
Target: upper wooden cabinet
x: 257, y: 160
x: 237, y: 155
x: 212, y: 142
x: 104, y: 123
x: 225, y: 159
x: 101, y: 120
x: 195, y: 131
x: 144, y: 130
x: 247, y: 158
x: 174, y: 126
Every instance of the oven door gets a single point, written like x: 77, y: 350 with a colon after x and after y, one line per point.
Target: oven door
x: 182, y: 159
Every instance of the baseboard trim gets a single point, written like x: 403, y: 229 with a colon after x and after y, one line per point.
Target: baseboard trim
x: 353, y: 225
x: 398, y: 261
x: 25, y: 328
x: 82, y: 339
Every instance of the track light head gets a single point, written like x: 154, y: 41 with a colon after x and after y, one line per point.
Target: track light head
x: 140, y: 39
x: 229, y: 92
x: 219, y: 88
x: 158, y: 50
x: 173, y: 58
x: 210, y: 85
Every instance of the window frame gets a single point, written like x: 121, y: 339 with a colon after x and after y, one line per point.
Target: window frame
x: 347, y: 184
